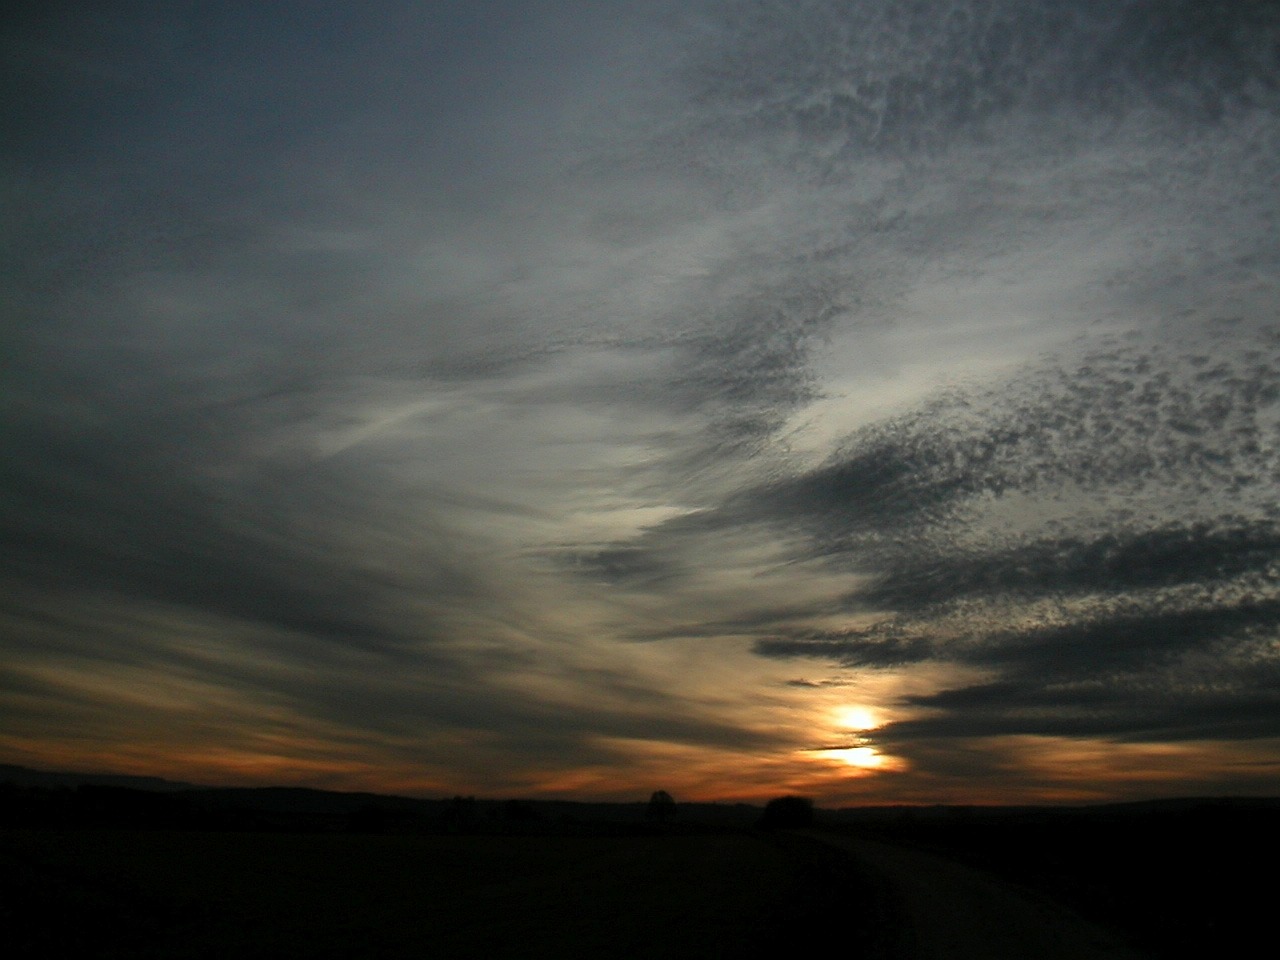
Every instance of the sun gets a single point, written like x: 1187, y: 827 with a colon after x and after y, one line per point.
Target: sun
x: 856, y: 718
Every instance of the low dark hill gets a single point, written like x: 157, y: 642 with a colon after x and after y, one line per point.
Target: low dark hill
x: 38, y: 798
x: 26, y: 777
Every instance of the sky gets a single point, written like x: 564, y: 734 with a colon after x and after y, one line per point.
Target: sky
x: 874, y: 400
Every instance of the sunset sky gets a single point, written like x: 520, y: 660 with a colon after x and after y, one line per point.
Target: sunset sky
x: 877, y: 400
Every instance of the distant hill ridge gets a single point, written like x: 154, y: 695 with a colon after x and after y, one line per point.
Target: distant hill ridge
x: 312, y: 800
x: 26, y: 777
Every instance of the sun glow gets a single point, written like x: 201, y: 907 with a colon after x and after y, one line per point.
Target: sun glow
x: 865, y: 757
x: 856, y: 718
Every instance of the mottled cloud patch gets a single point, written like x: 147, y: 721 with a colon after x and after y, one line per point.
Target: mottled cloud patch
x: 909, y: 77
x: 1167, y: 556
x: 1101, y: 542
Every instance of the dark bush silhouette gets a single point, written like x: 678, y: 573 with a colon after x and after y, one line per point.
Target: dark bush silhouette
x: 661, y: 807
x: 787, y: 812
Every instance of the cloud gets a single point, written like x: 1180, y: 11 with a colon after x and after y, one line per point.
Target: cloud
x: 909, y: 77
x: 379, y: 378
x: 1113, y: 561
x: 1087, y: 538
x: 851, y: 648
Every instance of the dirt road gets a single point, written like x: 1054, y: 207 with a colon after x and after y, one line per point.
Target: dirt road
x: 942, y: 910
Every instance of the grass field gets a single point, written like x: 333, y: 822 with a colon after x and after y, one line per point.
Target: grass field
x: 183, y: 894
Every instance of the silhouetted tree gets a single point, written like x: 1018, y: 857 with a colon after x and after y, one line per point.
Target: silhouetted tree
x: 787, y: 812
x: 661, y: 807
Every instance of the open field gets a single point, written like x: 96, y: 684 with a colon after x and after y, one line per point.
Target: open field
x: 140, y: 893
x: 189, y: 873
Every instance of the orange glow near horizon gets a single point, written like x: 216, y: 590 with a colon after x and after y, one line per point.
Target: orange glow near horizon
x: 1049, y: 770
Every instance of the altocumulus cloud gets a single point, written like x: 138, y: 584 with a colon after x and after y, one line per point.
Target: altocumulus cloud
x: 375, y: 379
x: 1101, y: 543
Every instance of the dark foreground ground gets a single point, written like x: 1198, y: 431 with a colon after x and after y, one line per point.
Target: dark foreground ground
x: 1178, y: 880
x: 138, y: 893
x: 130, y: 876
